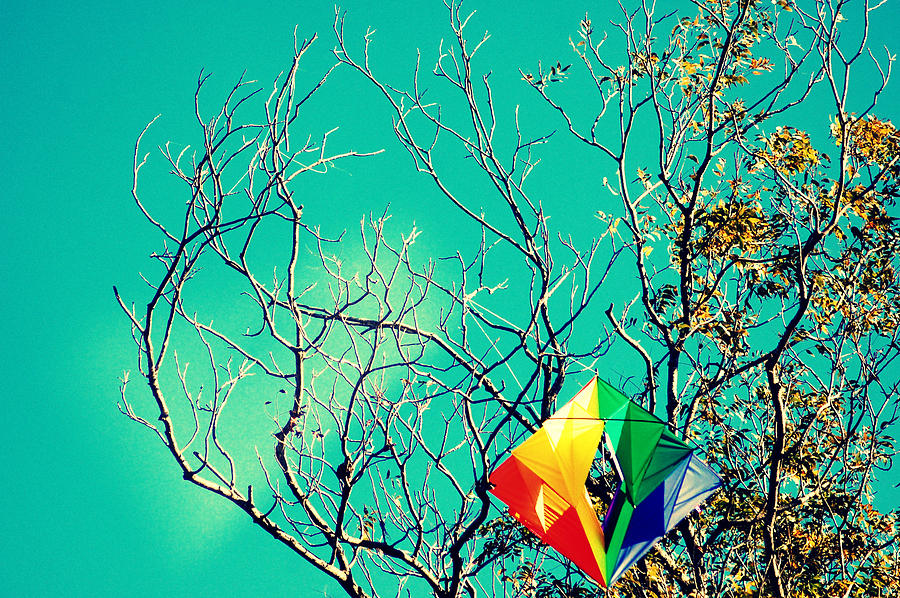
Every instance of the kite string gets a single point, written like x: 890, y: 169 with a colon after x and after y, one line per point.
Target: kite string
x: 586, y: 367
x: 590, y: 368
x: 493, y: 344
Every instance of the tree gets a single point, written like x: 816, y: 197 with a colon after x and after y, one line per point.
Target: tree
x: 751, y: 265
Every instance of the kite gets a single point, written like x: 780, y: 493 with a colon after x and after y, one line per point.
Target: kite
x: 661, y: 481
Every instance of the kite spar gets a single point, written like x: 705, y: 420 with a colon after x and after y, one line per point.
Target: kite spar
x: 661, y: 481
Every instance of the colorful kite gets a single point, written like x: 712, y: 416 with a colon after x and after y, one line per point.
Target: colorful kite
x: 543, y: 481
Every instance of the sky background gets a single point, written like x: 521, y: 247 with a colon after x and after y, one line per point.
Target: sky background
x: 92, y: 506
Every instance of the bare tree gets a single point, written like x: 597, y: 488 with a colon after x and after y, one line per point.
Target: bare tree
x: 766, y: 320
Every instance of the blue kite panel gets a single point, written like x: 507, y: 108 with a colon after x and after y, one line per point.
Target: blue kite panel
x: 648, y: 523
x: 699, y: 482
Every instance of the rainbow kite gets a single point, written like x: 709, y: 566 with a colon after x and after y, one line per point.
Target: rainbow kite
x: 543, y: 481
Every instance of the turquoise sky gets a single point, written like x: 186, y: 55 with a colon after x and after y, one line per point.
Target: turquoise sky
x: 91, y: 506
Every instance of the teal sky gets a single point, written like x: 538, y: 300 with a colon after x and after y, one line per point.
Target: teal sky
x: 91, y: 506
